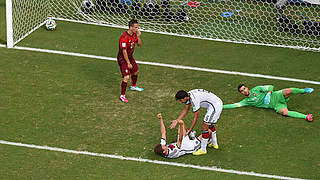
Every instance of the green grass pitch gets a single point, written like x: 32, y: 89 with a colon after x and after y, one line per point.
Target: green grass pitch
x: 72, y: 103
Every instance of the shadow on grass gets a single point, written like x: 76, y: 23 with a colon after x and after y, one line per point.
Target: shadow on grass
x: 3, y: 41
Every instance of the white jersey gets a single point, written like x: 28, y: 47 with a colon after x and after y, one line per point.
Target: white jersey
x: 187, y: 146
x: 203, y: 98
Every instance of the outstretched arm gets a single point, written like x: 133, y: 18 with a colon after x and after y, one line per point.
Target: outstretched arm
x: 183, y: 113
x: 194, y: 122
x: 234, y: 105
x: 162, y: 127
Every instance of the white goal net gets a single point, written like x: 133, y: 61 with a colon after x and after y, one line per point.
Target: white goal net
x: 284, y: 23
x: 23, y: 17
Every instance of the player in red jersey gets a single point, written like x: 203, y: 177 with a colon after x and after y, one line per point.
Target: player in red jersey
x: 128, y: 65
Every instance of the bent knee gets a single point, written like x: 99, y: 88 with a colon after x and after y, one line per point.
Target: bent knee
x: 126, y: 78
x: 287, y: 92
x: 180, y: 122
x: 284, y: 112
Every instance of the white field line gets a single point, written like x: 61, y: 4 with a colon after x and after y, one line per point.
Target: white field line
x: 147, y: 160
x: 170, y: 65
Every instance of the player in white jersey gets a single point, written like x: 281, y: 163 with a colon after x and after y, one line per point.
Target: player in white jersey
x: 184, y: 144
x: 200, y: 98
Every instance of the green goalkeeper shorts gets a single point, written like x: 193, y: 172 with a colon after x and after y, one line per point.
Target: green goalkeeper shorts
x: 278, y: 101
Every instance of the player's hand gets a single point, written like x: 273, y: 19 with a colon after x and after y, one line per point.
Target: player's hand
x: 159, y: 116
x: 130, y: 66
x: 138, y: 33
x: 173, y: 124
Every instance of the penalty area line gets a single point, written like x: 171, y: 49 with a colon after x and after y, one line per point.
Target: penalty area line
x: 170, y: 65
x: 146, y: 160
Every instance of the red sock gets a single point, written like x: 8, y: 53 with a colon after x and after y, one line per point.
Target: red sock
x: 123, y: 87
x: 205, y: 134
x: 212, y: 128
x: 134, y: 79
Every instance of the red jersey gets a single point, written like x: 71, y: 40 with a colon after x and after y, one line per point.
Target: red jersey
x: 127, y: 42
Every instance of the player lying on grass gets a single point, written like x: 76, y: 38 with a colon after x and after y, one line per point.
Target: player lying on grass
x: 200, y: 98
x: 184, y: 144
x: 265, y: 97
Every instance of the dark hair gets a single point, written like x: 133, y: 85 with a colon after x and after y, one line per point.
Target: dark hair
x: 240, y: 85
x: 132, y: 22
x: 158, y: 150
x: 181, y: 94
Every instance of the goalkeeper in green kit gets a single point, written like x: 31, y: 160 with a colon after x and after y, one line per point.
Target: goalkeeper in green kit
x: 265, y: 97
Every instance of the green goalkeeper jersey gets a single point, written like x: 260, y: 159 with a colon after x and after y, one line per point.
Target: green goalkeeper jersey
x: 256, y: 98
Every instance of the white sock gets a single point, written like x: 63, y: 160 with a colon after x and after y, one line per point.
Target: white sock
x: 214, y: 138
x: 204, y: 144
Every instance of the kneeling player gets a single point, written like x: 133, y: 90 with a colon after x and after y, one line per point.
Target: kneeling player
x: 184, y: 144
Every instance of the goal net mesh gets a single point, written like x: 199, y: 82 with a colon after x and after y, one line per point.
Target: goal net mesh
x: 27, y: 16
x: 288, y: 23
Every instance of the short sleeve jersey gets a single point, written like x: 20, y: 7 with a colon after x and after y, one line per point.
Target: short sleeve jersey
x: 187, y: 146
x: 127, y: 42
x: 200, y: 98
x: 256, y: 97
x: 174, y: 151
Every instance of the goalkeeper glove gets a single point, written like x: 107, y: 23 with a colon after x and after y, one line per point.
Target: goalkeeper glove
x: 267, y: 98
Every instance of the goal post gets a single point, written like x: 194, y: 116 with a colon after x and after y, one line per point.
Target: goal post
x: 23, y: 17
x: 280, y: 23
x: 9, y: 23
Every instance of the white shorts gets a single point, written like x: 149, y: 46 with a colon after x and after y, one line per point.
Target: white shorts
x: 213, y: 114
x: 190, y: 145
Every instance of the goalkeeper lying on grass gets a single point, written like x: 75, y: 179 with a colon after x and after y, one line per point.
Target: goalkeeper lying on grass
x: 265, y: 97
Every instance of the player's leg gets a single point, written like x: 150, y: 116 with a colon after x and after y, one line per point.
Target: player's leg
x: 281, y: 107
x: 134, y: 77
x: 214, y: 143
x: 124, y: 84
x: 190, y: 145
x: 204, y: 139
x: 181, y: 129
x: 288, y: 91
x: 213, y: 115
x: 125, y: 72
x: 285, y: 112
x: 180, y: 133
